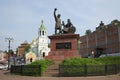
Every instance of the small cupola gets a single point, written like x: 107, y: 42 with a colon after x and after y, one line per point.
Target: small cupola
x: 42, y: 29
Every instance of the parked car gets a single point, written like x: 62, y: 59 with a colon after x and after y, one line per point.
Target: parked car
x: 3, y: 66
x: 112, y: 54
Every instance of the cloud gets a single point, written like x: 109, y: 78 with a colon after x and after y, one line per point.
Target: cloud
x: 22, y: 18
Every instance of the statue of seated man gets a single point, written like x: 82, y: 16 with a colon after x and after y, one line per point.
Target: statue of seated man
x: 67, y: 26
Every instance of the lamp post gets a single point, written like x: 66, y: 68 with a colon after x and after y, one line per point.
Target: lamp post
x: 79, y: 42
x: 9, y: 41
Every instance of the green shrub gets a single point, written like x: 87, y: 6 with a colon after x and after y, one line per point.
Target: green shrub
x: 92, y: 61
x: 27, y: 70
x: 44, y: 64
x: 81, y: 66
x: 109, y: 60
x: 80, y: 61
x: 31, y: 70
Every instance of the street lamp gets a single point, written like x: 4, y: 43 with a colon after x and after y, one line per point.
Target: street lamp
x: 79, y: 42
x: 9, y: 41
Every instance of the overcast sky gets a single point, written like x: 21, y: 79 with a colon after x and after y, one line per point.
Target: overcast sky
x: 21, y: 19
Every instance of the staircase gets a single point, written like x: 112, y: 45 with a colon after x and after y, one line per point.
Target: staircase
x: 52, y: 70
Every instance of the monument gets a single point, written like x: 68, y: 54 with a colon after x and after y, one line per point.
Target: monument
x: 64, y: 44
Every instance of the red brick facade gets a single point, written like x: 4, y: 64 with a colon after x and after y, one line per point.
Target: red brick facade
x: 106, y: 39
x: 21, y: 48
x: 60, y: 54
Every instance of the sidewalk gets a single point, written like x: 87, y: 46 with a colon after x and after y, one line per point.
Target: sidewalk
x: 5, y: 75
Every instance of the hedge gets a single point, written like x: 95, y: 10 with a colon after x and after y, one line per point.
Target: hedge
x: 44, y: 64
x: 89, y: 66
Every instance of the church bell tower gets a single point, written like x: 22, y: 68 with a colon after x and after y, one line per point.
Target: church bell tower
x: 42, y: 42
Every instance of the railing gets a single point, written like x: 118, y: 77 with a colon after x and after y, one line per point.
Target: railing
x: 88, y: 70
x: 30, y: 70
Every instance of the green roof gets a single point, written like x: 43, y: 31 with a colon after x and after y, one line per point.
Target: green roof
x: 42, y: 27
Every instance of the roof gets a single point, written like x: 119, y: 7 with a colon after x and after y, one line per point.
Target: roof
x: 42, y: 27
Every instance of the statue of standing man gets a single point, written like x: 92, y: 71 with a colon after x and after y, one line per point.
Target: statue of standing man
x: 58, y: 25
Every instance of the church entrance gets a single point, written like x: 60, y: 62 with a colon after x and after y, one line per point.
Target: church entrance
x: 43, y: 54
x: 31, y: 59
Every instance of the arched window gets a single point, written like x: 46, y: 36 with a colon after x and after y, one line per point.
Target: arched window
x: 42, y: 32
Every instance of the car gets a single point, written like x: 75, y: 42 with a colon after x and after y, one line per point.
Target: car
x: 3, y: 66
x: 112, y: 54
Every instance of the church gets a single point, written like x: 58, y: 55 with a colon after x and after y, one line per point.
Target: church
x: 39, y: 46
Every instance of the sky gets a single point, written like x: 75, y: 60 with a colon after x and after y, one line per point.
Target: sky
x: 20, y: 19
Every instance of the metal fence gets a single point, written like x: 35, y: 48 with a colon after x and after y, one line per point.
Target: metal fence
x: 88, y: 70
x: 30, y: 70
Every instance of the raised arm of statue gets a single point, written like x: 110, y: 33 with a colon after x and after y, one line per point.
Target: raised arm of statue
x: 55, y: 14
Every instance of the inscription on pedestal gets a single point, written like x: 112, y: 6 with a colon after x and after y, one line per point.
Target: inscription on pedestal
x: 66, y: 45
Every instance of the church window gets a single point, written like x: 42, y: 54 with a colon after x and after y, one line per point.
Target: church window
x: 42, y: 32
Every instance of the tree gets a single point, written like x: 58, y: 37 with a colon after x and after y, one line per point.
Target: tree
x: 49, y: 45
x: 88, y: 32
x: 27, y: 48
x: 115, y: 22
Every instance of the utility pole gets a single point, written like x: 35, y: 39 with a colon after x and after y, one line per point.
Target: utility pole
x: 9, y: 41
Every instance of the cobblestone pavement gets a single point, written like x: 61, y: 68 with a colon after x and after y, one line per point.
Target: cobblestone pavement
x: 5, y: 75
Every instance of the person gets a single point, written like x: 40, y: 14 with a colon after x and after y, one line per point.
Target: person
x: 69, y: 24
x: 68, y: 27
x: 58, y: 22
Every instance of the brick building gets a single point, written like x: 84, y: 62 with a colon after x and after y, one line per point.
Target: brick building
x: 22, y: 47
x: 104, y: 40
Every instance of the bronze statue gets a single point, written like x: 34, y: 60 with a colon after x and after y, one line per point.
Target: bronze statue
x: 58, y: 22
x: 68, y: 28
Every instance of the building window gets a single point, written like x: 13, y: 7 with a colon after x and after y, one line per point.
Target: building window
x: 109, y: 50
x: 116, y: 50
x: 116, y: 31
x: 109, y: 41
x: 109, y: 33
x: 42, y: 32
x: 116, y: 41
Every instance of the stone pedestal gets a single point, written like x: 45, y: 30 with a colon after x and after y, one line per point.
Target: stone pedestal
x: 63, y: 46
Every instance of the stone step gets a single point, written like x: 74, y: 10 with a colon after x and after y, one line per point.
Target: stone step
x: 52, y: 71
x: 52, y: 68
x: 50, y: 75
